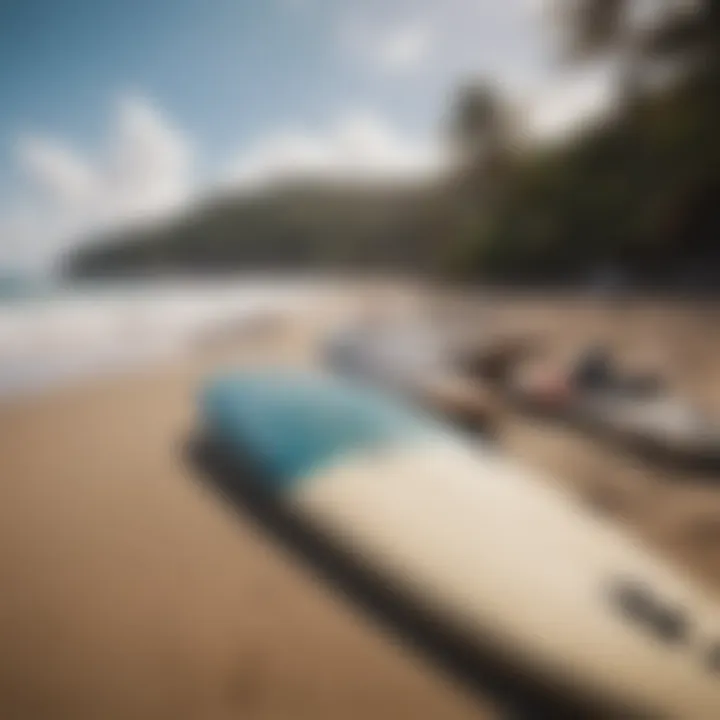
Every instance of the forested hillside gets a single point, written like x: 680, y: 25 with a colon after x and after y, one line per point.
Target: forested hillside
x: 315, y: 226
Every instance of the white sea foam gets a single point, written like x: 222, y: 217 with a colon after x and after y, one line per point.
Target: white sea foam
x: 53, y: 337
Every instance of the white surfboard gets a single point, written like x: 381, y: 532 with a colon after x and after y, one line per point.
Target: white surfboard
x: 664, y: 421
x: 486, y: 545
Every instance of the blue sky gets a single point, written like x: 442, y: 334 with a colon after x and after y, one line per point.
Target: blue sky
x: 228, y: 67
x: 113, y: 110
x: 206, y: 62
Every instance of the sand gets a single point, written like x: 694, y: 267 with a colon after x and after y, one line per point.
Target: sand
x: 130, y: 590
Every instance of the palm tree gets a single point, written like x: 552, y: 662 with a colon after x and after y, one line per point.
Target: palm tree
x: 670, y: 28
x: 480, y: 135
x: 592, y: 26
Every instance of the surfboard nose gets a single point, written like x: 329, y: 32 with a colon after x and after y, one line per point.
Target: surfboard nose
x: 292, y: 423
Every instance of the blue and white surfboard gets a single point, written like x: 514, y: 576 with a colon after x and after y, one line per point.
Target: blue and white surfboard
x: 489, y: 546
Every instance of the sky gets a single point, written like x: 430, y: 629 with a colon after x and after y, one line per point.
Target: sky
x: 114, y: 112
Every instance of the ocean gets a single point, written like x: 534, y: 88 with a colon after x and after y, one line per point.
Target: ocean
x: 51, y: 333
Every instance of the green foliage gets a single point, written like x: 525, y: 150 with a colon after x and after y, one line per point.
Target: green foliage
x: 638, y: 192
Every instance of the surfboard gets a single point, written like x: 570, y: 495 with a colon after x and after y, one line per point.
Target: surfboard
x: 483, y: 545
x: 663, y: 425
x: 665, y: 422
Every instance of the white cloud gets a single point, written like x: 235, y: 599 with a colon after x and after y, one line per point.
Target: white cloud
x: 359, y: 145
x: 560, y: 107
x: 60, y: 172
x: 399, y: 49
x: 145, y: 173
x: 151, y: 165
x: 405, y: 48
x: 535, y: 8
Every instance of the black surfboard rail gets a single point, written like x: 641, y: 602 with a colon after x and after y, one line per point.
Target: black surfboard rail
x: 517, y: 693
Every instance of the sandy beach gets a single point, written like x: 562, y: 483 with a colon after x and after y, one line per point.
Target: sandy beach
x: 131, y: 590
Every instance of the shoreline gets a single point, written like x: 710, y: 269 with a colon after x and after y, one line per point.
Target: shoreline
x: 51, y: 342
